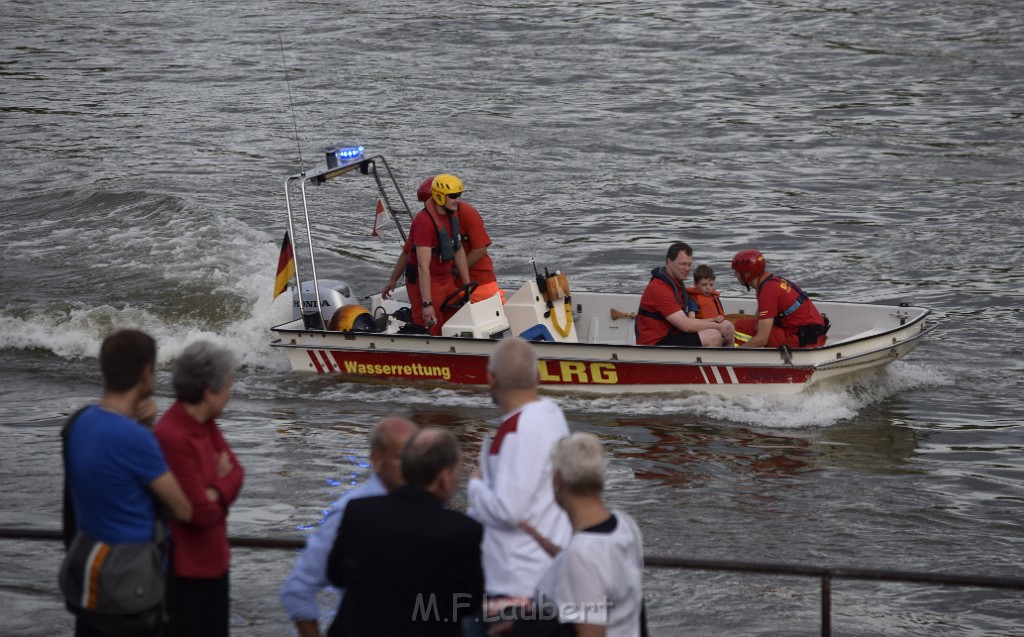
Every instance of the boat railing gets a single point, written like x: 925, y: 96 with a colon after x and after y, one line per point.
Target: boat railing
x: 825, y: 574
x: 340, y: 161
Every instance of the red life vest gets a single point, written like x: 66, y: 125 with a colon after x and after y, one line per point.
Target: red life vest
x: 650, y: 326
x: 800, y: 324
x: 447, y: 245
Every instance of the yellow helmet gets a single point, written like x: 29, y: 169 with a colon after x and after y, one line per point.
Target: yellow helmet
x: 443, y: 186
x: 351, y: 318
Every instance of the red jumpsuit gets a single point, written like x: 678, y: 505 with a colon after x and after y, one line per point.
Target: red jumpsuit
x: 424, y: 233
x: 474, y: 235
x: 777, y: 296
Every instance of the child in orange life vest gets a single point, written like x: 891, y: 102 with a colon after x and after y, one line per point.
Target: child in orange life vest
x: 705, y: 294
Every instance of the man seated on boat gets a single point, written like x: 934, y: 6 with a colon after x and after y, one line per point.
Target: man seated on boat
x: 786, y: 316
x: 474, y: 242
x: 664, y: 317
x: 435, y: 247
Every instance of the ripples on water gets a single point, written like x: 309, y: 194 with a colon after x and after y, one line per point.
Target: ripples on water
x: 871, y: 150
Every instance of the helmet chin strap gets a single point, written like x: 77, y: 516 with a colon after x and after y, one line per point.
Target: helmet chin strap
x: 757, y: 279
x: 747, y: 282
x: 743, y: 279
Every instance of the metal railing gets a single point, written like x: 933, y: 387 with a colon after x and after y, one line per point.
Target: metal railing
x: 825, y: 573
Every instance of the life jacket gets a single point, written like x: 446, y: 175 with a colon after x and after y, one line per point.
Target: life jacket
x: 652, y: 323
x: 808, y: 334
x: 801, y: 297
x: 708, y: 307
x: 447, y: 245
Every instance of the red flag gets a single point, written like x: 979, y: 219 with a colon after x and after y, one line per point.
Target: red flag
x: 379, y: 220
x: 285, y: 267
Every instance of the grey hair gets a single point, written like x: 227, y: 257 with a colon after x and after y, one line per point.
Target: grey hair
x: 203, y: 365
x: 579, y: 458
x: 513, y: 364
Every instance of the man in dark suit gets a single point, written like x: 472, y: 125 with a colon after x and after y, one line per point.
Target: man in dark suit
x: 409, y: 566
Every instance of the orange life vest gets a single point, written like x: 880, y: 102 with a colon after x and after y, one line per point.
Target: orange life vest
x: 708, y: 307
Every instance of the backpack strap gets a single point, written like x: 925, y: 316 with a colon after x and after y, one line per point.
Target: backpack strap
x: 68, y: 512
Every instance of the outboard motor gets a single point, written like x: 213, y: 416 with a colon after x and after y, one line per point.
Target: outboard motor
x: 333, y: 294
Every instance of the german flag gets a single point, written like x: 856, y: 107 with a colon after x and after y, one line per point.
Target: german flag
x: 285, y: 267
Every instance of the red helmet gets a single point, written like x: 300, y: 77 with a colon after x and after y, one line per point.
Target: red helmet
x: 423, y: 192
x: 749, y: 264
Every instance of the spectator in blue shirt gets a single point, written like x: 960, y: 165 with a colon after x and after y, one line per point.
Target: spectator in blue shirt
x: 309, y: 575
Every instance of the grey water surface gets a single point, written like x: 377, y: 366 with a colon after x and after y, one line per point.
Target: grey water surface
x: 871, y: 149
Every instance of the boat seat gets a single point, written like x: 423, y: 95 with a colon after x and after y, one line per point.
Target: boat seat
x: 483, y: 319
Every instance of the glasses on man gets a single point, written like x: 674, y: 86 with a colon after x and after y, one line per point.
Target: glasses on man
x: 455, y: 195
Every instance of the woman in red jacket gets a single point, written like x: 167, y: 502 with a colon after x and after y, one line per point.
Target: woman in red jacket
x: 211, y: 477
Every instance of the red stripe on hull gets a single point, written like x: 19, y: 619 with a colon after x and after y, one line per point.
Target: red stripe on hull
x: 327, y: 360
x: 316, y: 361
x: 468, y: 369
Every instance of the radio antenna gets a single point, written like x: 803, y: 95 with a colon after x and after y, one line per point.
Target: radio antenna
x: 295, y: 125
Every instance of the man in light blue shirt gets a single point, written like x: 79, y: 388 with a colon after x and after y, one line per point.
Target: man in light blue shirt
x: 309, y: 575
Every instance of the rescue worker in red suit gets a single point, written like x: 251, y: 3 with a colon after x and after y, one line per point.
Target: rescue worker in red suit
x: 474, y: 242
x: 785, y: 314
x: 664, y: 317
x: 435, y: 248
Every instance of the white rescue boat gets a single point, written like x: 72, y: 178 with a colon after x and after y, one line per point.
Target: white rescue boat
x: 585, y: 340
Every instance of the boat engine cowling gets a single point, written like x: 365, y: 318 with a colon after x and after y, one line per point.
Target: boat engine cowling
x: 333, y: 295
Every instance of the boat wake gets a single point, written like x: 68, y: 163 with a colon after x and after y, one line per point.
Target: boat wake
x: 824, y: 405
x: 78, y: 333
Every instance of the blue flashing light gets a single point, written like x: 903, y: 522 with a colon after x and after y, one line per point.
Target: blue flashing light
x: 348, y: 152
x: 338, y: 155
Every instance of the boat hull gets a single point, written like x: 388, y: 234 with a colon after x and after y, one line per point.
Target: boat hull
x: 585, y: 341
x: 596, y: 367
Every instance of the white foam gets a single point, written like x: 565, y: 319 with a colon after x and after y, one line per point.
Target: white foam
x: 820, y: 406
x: 78, y: 332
